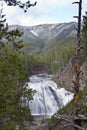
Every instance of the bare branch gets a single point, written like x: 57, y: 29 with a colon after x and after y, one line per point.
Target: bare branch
x: 23, y: 6
x: 75, y: 17
x: 75, y: 3
x: 76, y: 126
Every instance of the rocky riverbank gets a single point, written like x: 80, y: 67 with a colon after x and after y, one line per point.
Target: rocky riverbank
x: 64, y: 77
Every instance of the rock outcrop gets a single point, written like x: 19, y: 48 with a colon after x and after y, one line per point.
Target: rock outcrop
x: 64, y: 77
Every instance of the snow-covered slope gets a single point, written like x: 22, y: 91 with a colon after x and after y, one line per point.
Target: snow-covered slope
x: 42, y: 35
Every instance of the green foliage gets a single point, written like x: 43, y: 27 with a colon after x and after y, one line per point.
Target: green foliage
x: 52, y: 121
x: 11, y: 89
x: 10, y: 37
x: 82, y: 104
x: 52, y: 59
x: 84, y: 31
x: 30, y: 60
x: 13, y: 39
x: 23, y: 6
x: 32, y: 44
x: 58, y: 56
x: 3, y: 29
x: 47, y: 39
x: 69, y: 108
x: 83, y: 52
x: 59, y: 41
x: 12, y: 79
x: 10, y: 124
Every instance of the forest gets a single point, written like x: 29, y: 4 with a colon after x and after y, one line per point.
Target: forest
x: 17, y: 65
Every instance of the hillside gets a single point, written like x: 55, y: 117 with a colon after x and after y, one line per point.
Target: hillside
x: 42, y: 37
x: 67, y: 114
x: 48, y: 38
x: 64, y: 118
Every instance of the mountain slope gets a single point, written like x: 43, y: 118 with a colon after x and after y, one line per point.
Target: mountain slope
x: 31, y: 41
x: 37, y: 38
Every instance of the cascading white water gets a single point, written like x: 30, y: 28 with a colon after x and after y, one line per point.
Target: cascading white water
x: 48, y: 97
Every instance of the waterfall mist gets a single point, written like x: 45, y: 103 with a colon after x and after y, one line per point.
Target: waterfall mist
x: 48, y: 97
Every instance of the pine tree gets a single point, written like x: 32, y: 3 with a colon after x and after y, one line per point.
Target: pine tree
x: 22, y: 5
x: 12, y: 79
x: 84, y: 30
x: 84, y: 36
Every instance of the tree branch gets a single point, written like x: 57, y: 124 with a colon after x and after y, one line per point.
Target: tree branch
x: 76, y: 126
x: 24, y: 6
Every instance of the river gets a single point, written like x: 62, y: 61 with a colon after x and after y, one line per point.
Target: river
x: 49, y: 97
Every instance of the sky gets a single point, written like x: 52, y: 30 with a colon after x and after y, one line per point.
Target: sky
x: 45, y: 12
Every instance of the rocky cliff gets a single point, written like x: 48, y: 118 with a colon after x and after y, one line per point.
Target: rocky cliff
x: 64, y: 77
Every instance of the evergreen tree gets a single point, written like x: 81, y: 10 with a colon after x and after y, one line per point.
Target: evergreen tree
x: 3, y: 28
x: 84, y: 36
x: 84, y: 30
x: 22, y: 5
x: 12, y: 79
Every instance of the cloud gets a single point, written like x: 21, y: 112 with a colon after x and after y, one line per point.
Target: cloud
x: 27, y: 21
x: 51, y: 3
x: 46, y: 11
x: 9, y: 11
x: 30, y: 21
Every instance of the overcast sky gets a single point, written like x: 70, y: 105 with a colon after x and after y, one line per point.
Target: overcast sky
x: 46, y: 11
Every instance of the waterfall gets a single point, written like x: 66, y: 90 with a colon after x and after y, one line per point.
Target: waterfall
x: 48, y: 97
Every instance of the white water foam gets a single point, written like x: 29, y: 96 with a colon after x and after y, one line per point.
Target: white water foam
x: 48, y: 97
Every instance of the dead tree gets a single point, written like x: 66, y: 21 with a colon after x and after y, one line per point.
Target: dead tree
x: 77, y: 64
x: 79, y: 23
x: 77, y: 67
x: 75, y: 121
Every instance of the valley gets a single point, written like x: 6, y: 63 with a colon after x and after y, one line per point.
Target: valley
x: 43, y: 65
x: 38, y: 38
